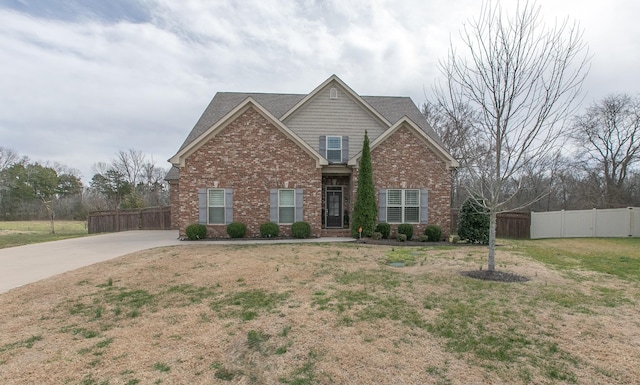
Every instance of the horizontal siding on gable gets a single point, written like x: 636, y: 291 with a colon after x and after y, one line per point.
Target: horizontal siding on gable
x: 334, y: 117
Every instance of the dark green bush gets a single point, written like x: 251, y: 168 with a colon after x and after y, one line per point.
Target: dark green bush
x: 301, y: 230
x: 406, y: 229
x: 433, y: 233
x: 236, y: 229
x: 384, y: 229
x: 269, y: 230
x: 196, y: 231
x: 473, y: 223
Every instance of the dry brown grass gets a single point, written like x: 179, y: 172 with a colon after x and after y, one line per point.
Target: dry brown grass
x: 319, y: 314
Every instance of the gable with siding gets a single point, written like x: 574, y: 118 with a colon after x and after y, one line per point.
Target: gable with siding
x: 323, y: 115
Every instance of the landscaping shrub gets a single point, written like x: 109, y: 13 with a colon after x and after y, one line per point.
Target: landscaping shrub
x: 402, y: 237
x: 301, y: 230
x: 406, y: 229
x: 269, y: 230
x: 196, y: 231
x: 473, y: 223
x: 384, y: 229
x: 236, y: 229
x: 433, y: 233
x: 376, y: 235
x: 424, y: 238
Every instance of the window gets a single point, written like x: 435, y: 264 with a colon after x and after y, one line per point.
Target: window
x: 216, y: 206
x: 403, y: 206
x: 286, y: 206
x: 334, y: 149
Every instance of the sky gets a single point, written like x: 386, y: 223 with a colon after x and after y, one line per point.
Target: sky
x: 83, y: 79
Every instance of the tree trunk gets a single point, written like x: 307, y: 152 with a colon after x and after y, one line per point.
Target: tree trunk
x: 492, y: 240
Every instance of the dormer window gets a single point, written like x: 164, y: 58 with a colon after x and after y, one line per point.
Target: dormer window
x: 334, y: 149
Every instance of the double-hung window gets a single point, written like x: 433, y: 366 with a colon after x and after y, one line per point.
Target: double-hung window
x: 286, y: 206
x: 216, y: 206
x: 334, y: 149
x: 403, y: 206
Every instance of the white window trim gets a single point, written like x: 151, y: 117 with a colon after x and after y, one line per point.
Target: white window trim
x: 339, y: 138
x: 293, y: 205
x: 403, y: 204
x: 209, y: 206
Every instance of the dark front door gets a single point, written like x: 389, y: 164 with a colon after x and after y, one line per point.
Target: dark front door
x: 334, y: 207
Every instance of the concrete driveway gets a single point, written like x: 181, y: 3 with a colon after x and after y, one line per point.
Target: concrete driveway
x: 27, y: 264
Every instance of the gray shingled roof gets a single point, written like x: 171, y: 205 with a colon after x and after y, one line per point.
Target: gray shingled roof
x: 223, y: 102
x: 391, y: 108
x: 173, y: 174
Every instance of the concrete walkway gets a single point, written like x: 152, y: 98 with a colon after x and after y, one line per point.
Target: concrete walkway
x: 27, y: 264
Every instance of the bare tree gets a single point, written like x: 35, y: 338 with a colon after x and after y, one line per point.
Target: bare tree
x: 522, y: 79
x: 608, y: 134
x: 131, y: 164
x: 130, y: 180
x: 8, y: 157
x: 154, y: 184
x: 453, y: 125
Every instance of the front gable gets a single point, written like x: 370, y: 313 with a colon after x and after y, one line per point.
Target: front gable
x: 421, y: 137
x: 179, y: 159
x: 333, y: 109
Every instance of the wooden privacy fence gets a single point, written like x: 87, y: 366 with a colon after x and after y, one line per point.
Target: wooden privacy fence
x: 150, y: 218
x: 516, y: 225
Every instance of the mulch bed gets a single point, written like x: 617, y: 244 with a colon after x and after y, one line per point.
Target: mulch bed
x: 395, y: 242
x: 497, y: 276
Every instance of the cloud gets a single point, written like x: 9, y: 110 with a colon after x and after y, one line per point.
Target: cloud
x: 84, y: 79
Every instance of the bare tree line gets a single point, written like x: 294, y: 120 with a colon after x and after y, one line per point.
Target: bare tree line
x: 131, y: 180
x: 595, y: 164
x: 33, y: 190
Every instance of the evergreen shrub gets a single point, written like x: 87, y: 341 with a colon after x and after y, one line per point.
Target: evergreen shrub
x: 236, y: 229
x: 269, y: 230
x: 406, y: 229
x: 473, y: 222
x: 384, y: 229
x: 196, y: 231
x: 301, y: 230
x: 433, y: 233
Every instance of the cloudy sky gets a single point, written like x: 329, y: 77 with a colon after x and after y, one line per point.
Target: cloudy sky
x: 82, y: 79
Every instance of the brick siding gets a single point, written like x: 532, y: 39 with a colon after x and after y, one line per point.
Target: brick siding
x: 403, y: 161
x: 174, y: 201
x: 251, y: 156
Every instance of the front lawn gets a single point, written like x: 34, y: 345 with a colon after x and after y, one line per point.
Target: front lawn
x: 18, y: 233
x: 331, y: 314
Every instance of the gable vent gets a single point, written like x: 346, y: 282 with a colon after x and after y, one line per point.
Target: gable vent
x: 333, y: 93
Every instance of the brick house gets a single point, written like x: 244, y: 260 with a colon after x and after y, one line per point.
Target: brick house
x: 256, y: 158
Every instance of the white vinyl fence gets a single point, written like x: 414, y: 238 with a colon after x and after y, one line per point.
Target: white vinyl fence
x: 586, y: 223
